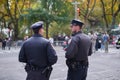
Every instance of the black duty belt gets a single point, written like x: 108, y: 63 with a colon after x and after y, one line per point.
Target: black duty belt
x: 80, y: 63
x: 44, y: 70
x: 77, y: 63
x: 33, y: 68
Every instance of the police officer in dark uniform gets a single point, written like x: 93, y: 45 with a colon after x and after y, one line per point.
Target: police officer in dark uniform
x: 77, y: 52
x: 38, y: 54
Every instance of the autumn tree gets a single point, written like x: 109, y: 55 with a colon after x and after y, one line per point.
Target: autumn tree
x: 48, y: 11
x: 115, y: 10
x: 13, y: 9
x: 110, y: 10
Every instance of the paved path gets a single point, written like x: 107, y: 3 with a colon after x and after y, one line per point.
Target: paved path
x: 103, y: 66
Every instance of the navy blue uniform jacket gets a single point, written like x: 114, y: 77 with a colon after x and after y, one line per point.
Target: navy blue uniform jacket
x: 38, y: 51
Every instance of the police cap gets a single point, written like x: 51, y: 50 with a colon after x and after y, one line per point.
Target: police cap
x: 37, y: 25
x: 77, y: 22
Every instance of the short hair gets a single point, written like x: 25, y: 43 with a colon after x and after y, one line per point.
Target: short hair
x: 36, y: 30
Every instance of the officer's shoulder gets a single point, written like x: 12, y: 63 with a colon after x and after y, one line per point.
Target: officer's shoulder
x: 84, y: 36
x: 87, y: 37
x: 75, y: 38
x: 45, y: 40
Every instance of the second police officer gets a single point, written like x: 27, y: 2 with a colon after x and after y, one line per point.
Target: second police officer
x: 77, y: 52
x: 38, y: 54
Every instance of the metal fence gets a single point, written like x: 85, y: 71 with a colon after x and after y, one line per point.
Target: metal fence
x: 19, y: 43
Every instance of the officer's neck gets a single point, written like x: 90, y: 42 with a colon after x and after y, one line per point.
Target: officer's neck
x: 37, y: 35
x: 76, y: 32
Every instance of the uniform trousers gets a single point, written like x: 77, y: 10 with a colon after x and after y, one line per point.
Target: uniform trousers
x: 77, y: 73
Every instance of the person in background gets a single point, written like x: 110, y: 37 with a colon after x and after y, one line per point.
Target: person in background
x: 93, y: 39
x: 102, y: 42
x: 51, y: 40
x: 98, y: 42
x: 9, y: 43
x: 3, y: 44
x: 26, y: 37
x: 106, y: 41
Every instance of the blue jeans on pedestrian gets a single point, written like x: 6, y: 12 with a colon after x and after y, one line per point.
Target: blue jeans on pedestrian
x: 78, y: 73
x: 102, y: 46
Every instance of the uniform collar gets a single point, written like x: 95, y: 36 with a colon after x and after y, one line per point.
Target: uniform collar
x: 73, y: 34
x: 37, y: 35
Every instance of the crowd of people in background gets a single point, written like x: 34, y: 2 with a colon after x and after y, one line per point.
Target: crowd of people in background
x: 60, y: 40
x: 99, y: 41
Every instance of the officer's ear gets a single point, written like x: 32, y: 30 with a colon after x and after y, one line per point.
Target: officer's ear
x: 41, y: 31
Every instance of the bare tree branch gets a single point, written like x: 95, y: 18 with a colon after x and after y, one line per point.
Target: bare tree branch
x: 88, y: 3
x: 92, y: 8
x: 104, y: 13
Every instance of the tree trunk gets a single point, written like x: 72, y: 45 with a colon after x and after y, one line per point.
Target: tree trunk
x: 104, y: 14
x: 1, y: 31
x: 113, y: 22
x: 114, y: 16
x: 85, y: 21
x: 106, y: 22
x: 16, y: 31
